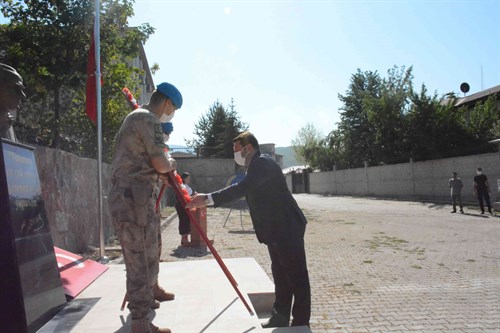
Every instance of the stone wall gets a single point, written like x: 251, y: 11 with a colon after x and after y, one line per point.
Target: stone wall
x: 426, y: 180
x: 69, y: 189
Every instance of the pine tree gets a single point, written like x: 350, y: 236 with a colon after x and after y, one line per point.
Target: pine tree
x: 215, y: 131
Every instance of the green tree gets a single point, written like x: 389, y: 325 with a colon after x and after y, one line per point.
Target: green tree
x: 48, y: 42
x: 215, y: 131
x: 336, y: 148
x: 482, y: 124
x: 420, y: 125
x: 434, y: 127
x: 357, y: 132
x: 311, y: 148
x: 386, y: 116
x: 307, y: 138
x: 384, y: 121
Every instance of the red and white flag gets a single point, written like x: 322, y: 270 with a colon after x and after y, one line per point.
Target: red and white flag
x: 91, y: 91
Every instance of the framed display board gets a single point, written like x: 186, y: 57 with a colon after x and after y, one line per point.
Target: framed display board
x: 31, y: 291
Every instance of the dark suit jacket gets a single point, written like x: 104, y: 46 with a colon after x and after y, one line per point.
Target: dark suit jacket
x: 275, y: 213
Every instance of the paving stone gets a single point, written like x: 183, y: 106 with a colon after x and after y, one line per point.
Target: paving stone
x: 377, y: 264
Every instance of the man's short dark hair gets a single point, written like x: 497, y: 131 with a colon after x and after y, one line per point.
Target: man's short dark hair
x: 157, y: 98
x: 247, y: 138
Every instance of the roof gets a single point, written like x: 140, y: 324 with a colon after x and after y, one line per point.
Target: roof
x: 477, y: 96
x: 294, y: 168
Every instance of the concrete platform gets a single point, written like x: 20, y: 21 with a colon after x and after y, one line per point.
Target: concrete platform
x: 205, y: 301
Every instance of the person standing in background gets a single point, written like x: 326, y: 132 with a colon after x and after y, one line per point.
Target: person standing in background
x: 482, y: 190
x: 184, y: 222
x: 456, y: 184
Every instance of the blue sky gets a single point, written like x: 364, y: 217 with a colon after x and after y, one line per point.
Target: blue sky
x: 285, y: 62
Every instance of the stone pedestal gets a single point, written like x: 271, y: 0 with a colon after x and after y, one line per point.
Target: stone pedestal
x: 200, y: 215
x: 31, y: 291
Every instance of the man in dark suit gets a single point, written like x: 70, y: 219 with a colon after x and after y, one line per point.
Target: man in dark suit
x: 279, y: 223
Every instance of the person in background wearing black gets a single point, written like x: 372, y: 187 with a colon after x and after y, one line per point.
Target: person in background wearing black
x: 184, y: 223
x: 456, y: 185
x: 279, y: 223
x: 482, y: 190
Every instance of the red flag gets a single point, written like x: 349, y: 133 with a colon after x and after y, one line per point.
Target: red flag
x: 91, y: 98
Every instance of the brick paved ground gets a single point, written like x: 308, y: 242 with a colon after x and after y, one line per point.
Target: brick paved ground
x: 380, y: 265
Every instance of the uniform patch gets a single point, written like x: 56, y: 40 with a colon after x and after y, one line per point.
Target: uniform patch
x: 158, y: 135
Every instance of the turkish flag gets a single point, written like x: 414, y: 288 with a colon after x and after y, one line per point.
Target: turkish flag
x: 91, y: 93
x: 76, y: 272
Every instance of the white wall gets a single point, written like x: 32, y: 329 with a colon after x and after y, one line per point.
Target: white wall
x: 426, y: 180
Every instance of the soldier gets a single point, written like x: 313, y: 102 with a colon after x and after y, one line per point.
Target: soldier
x: 138, y: 161
x: 11, y: 94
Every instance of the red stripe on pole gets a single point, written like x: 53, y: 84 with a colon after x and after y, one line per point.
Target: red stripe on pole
x: 91, y: 95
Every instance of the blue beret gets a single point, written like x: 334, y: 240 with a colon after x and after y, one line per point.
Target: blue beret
x: 171, y: 92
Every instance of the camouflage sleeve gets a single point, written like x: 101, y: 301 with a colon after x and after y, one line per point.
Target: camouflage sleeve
x: 152, y: 136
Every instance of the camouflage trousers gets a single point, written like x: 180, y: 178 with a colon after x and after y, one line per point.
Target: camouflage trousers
x: 138, y: 236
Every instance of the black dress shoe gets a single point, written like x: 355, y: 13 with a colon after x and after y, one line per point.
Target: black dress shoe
x: 276, y: 321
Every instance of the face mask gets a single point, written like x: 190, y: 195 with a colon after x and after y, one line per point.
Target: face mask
x: 238, y: 158
x: 165, y: 118
x: 479, y: 173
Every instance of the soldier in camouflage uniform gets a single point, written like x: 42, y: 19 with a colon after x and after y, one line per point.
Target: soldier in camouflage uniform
x: 139, y: 160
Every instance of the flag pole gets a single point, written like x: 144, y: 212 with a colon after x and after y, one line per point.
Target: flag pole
x: 103, y: 259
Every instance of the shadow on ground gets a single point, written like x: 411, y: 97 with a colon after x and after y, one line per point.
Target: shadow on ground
x: 184, y: 252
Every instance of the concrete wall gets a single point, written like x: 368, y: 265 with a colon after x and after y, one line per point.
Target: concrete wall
x: 426, y: 180
x: 207, y: 175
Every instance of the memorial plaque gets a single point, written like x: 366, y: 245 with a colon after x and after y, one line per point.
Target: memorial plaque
x: 31, y: 289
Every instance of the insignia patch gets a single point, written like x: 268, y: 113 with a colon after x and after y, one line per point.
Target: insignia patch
x: 158, y: 135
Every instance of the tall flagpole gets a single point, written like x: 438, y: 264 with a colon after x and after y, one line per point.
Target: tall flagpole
x: 97, y: 43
